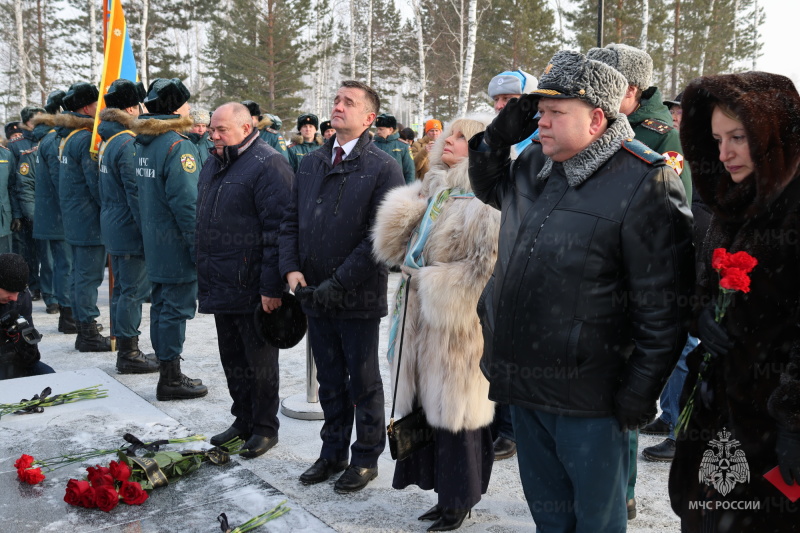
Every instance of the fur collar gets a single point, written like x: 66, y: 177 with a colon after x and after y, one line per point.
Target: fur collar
x: 112, y: 114
x: 157, y: 126
x: 73, y: 121
x: 298, y: 139
x: 44, y: 118
x: 768, y: 106
x: 580, y: 167
x: 264, y: 123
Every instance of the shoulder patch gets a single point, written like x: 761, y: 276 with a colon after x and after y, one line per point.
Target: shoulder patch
x: 188, y: 163
x: 643, y: 152
x: 657, y: 126
x: 674, y: 160
x: 24, y: 168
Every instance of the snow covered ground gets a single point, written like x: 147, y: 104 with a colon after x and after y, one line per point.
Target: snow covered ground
x: 378, y: 508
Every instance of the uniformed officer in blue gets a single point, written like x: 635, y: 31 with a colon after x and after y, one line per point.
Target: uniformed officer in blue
x: 24, y: 149
x: 267, y: 129
x: 120, y: 223
x: 6, y: 170
x: 79, y: 197
x: 167, y: 169
x: 48, y: 224
x: 387, y: 139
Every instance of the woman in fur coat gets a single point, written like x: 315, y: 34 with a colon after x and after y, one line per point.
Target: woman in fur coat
x: 446, y: 241
x: 741, y: 138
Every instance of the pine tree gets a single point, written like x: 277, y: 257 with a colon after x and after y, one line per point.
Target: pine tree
x: 253, y: 54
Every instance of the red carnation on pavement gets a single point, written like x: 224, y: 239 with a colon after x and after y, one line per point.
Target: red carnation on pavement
x: 32, y: 476
x: 106, y: 497
x: 132, y: 493
x: 25, y: 461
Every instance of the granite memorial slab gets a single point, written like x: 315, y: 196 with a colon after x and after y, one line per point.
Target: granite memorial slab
x: 187, y: 505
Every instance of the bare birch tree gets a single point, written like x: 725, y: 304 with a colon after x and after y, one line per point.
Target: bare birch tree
x: 144, y: 42
x: 423, y: 79
x: 469, y: 58
x: 22, y: 55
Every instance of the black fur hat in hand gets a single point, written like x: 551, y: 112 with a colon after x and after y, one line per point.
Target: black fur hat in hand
x: 79, y: 95
x: 124, y: 93
x: 285, y: 326
x: 164, y: 96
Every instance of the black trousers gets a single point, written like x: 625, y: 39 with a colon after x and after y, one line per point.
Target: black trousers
x: 251, y: 368
x: 346, y: 354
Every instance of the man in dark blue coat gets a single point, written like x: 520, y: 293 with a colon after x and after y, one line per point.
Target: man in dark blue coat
x: 166, y: 168
x: 48, y: 224
x: 120, y: 223
x: 243, y: 190
x: 325, y: 243
x: 79, y: 196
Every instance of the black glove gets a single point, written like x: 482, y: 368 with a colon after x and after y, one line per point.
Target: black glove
x: 27, y: 223
x: 305, y: 293
x: 632, y: 411
x: 16, y: 225
x: 788, y: 449
x: 28, y: 354
x: 330, y: 294
x: 713, y: 337
x: 514, y: 123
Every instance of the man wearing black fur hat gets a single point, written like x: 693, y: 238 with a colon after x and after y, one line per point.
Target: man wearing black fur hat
x: 120, y: 223
x: 243, y: 190
x: 264, y: 124
x: 79, y: 196
x: 19, y: 353
x: 167, y: 169
x: 327, y: 130
x: 306, y: 141
x: 48, y: 224
x: 387, y: 139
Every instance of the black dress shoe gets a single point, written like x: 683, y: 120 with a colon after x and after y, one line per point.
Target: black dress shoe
x: 451, y: 519
x: 504, y: 448
x: 354, y: 479
x: 432, y: 514
x: 656, y: 427
x: 664, y: 452
x: 258, y: 445
x: 229, y: 434
x: 321, y: 470
x: 36, y: 295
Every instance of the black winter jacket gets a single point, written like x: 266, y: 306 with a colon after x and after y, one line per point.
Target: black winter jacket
x: 326, y: 228
x: 240, y: 203
x: 591, y: 281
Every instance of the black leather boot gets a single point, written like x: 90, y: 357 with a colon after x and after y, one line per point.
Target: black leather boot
x: 173, y: 385
x: 131, y: 360
x: 89, y: 340
x: 66, y: 323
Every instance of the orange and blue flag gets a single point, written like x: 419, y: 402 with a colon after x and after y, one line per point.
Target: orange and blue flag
x: 118, y: 60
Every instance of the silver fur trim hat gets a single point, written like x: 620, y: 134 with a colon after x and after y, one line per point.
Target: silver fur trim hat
x: 200, y: 115
x: 636, y: 65
x: 572, y: 75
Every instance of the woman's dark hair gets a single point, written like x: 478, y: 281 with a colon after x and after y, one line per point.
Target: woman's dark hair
x: 407, y: 134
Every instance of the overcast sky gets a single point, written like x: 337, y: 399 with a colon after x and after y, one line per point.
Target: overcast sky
x: 780, y: 38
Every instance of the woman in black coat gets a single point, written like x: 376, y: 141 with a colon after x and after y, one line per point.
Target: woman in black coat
x: 741, y: 137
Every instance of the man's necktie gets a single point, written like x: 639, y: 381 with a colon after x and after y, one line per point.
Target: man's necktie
x: 339, y: 155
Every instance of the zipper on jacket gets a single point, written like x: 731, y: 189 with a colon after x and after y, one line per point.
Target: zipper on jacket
x: 216, y: 202
x: 339, y: 196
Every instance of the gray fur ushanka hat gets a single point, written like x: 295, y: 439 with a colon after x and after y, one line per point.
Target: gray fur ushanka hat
x: 572, y: 75
x: 636, y: 65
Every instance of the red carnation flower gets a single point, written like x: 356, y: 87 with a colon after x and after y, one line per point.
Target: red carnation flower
x: 719, y: 259
x: 75, y: 490
x: 735, y: 279
x: 25, y: 461
x: 32, y: 476
x: 106, y: 497
x: 132, y: 493
x: 743, y: 261
x: 121, y: 471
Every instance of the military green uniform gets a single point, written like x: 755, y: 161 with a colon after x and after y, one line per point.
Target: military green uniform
x: 272, y: 137
x: 400, y: 151
x: 167, y: 170
x: 203, y: 143
x: 652, y: 124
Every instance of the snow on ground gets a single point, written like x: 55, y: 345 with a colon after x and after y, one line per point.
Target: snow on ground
x: 378, y: 508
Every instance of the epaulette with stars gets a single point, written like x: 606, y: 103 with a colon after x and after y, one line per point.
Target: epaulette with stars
x: 657, y: 126
x: 643, y: 152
